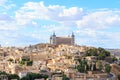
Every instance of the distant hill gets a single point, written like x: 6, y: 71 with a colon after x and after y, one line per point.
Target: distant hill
x: 114, y: 51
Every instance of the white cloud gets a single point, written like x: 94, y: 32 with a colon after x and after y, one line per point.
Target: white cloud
x: 101, y: 28
x: 31, y: 11
x: 91, y: 27
x: 2, y: 2
x: 5, y: 17
x: 98, y: 38
x: 100, y: 20
x: 34, y: 10
x: 6, y: 5
x: 71, y: 11
x: 74, y: 16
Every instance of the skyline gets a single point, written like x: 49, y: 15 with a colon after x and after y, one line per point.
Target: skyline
x: 94, y: 23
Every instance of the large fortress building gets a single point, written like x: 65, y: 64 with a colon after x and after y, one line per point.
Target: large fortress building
x: 56, y: 40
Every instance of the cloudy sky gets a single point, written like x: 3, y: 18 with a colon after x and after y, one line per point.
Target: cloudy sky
x: 94, y: 22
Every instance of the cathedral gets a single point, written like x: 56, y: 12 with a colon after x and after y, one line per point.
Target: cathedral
x: 56, y: 40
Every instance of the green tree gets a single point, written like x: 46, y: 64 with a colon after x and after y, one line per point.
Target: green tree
x: 29, y: 63
x: 94, y: 67
x: 11, y: 60
x: 64, y: 77
x: 83, y: 66
x: 114, y: 59
x: 84, y: 62
x: 107, y: 53
x: 97, y: 52
x: 25, y: 78
x: 107, y: 68
x: 87, y: 53
x: 32, y: 76
x: 3, y: 72
x: 45, y: 76
x: 118, y: 76
x: 13, y: 76
x: 101, y: 49
x: 101, y: 56
x: 93, y: 52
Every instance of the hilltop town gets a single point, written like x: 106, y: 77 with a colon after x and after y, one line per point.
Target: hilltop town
x: 54, y: 61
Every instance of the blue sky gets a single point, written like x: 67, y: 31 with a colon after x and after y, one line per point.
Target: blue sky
x: 94, y: 22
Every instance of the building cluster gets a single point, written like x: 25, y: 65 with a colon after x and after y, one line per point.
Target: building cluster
x: 60, y: 56
x: 47, y: 59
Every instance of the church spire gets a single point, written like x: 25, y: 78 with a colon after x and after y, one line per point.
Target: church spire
x: 54, y: 34
x: 72, y: 35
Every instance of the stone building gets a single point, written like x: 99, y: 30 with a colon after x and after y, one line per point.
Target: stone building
x: 56, y: 40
